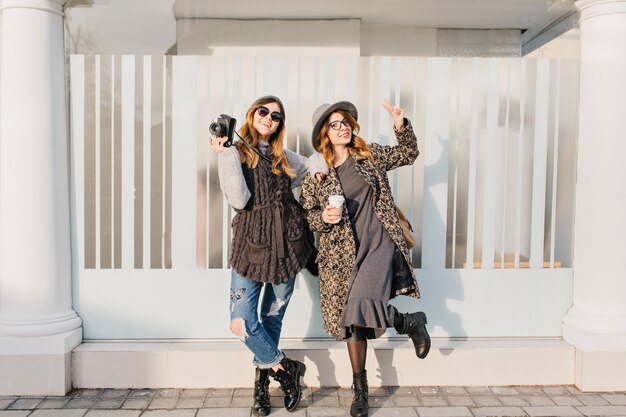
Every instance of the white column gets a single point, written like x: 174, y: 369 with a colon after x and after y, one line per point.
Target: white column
x: 37, y: 323
x: 596, y: 323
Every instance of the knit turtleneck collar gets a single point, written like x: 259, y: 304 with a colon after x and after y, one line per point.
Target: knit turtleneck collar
x: 263, y: 146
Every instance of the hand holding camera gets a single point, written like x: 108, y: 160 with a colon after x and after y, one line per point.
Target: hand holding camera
x: 221, y: 131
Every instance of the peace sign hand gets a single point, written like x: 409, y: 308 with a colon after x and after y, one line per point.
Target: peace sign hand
x: 397, y: 114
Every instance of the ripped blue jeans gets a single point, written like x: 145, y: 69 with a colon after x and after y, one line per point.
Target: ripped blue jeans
x: 260, y: 331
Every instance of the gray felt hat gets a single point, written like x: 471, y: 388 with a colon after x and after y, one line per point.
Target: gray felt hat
x: 321, y: 114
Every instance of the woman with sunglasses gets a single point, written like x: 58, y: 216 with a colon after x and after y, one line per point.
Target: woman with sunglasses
x: 271, y: 243
x: 363, y: 256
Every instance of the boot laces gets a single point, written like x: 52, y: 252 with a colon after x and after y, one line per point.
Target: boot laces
x: 287, y: 384
x: 359, y: 394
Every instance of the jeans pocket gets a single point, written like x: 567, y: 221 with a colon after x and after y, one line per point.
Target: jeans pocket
x: 255, y: 252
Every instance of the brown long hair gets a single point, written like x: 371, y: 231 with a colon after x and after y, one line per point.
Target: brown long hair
x: 357, y: 144
x: 250, y: 134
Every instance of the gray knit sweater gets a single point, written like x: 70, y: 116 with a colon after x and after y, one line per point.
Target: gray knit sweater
x: 234, y: 185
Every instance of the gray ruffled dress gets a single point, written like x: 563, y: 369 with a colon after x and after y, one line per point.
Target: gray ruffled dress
x: 366, y: 311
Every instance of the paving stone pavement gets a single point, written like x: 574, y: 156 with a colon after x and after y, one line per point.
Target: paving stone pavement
x: 529, y: 401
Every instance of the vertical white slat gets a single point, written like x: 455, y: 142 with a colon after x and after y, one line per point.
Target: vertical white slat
x: 520, y: 164
x: 77, y: 83
x: 248, y: 82
x: 293, y: 103
x: 329, y: 69
x: 320, y: 82
x: 455, y: 174
x: 111, y: 164
x: 490, y: 162
x: 555, y: 160
x: 236, y: 102
x: 147, y: 145
x: 203, y: 118
x: 276, y: 70
x: 342, y: 78
x: 258, y: 77
x: 396, y: 97
x: 416, y: 179
x: 163, y: 157
x: 308, y: 98
x: 217, y: 240
x: 540, y: 156
x: 97, y: 160
x: 420, y: 89
x: 393, y: 95
x: 227, y: 83
x: 405, y: 71
x: 222, y: 77
x: 352, y: 80
x: 128, y: 161
x: 472, y: 170
x: 184, y: 161
x: 363, y: 91
x: 365, y: 113
x: 231, y: 106
x: 382, y: 119
x: 505, y: 159
x: 379, y: 114
x: 436, y: 163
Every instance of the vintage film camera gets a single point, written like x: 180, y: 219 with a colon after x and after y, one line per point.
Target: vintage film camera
x: 223, y: 126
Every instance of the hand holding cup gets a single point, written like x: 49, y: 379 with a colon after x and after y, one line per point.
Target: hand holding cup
x: 332, y: 212
x: 336, y: 201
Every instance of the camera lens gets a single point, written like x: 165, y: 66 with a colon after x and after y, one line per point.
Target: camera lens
x: 216, y: 129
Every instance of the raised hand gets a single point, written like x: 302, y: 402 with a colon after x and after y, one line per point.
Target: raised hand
x: 397, y: 114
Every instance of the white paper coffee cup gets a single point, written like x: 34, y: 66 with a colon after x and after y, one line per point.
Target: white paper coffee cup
x: 336, y: 200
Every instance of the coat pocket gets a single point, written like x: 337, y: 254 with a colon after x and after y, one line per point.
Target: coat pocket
x: 256, y: 253
x: 298, y: 244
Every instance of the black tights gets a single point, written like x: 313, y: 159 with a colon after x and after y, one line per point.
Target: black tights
x: 357, y: 349
x: 358, y: 354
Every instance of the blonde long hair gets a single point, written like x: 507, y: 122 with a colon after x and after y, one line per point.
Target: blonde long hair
x: 357, y: 144
x: 280, y: 163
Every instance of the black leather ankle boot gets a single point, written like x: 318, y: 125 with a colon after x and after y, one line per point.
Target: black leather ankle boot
x: 289, y: 380
x: 262, y: 406
x: 415, y: 327
x: 359, y: 407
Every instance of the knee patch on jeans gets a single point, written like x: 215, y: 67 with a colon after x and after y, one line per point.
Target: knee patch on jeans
x: 238, y: 327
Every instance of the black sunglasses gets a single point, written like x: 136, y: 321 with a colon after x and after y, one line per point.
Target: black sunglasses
x: 264, y: 111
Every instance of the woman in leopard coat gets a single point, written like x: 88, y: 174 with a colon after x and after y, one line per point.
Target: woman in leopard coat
x: 363, y: 256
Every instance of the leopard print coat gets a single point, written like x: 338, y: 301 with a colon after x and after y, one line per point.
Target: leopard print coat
x: 337, y: 248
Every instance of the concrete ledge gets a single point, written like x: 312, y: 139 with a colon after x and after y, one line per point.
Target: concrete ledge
x: 390, y: 362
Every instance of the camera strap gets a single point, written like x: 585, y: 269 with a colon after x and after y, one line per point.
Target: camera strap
x: 253, y: 148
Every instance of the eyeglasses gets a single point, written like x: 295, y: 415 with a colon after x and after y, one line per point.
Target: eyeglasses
x: 336, y: 125
x: 264, y: 111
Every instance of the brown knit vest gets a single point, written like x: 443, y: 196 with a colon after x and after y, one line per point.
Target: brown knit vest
x: 271, y: 239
